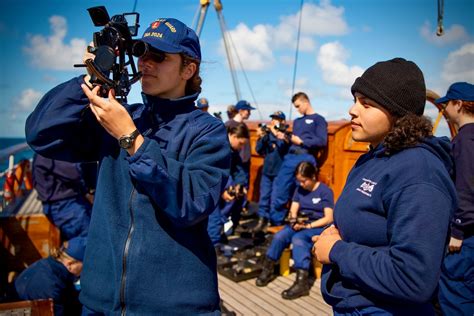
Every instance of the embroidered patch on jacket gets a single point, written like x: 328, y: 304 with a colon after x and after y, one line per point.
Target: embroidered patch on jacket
x: 367, y: 187
x: 316, y: 200
x: 308, y: 121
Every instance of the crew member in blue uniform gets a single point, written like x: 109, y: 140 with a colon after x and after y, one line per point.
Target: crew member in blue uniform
x: 273, y: 144
x: 456, y: 287
x: 309, y: 135
x: 66, y: 191
x: 314, y: 202
x: 229, y: 204
x: 54, y: 277
x: 244, y: 110
x: 202, y: 104
x: 384, y: 254
x: 163, y: 166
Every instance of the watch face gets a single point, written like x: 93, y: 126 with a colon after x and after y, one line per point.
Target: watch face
x: 125, y: 142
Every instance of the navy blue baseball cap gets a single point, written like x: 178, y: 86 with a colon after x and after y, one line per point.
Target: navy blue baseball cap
x: 172, y: 36
x: 202, y: 103
x: 278, y: 115
x: 243, y: 105
x: 76, y: 247
x: 458, y: 91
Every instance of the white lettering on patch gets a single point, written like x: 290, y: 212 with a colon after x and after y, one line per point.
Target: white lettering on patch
x: 367, y: 187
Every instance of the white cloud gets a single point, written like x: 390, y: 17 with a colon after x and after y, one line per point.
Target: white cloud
x: 50, y: 52
x: 255, y: 45
x: 331, y: 59
x: 287, y: 60
x: 301, y: 84
x: 252, y: 46
x: 454, y: 34
x: 321, y: 20
x: 28, y: 99
x: 459, y: 65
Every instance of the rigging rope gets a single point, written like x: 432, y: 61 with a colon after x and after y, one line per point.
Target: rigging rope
x: 135, y: 6
x: 296, y: 55
x: 245, y: 76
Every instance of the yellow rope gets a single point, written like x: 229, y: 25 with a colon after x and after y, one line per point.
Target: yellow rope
x: 435, y: 125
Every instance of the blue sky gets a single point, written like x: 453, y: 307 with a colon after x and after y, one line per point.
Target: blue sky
x: 41, y: 40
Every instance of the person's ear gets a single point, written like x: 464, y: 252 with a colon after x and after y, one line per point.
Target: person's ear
x: 188, y: 71
x: 68, y: 264
x: 458, y: 105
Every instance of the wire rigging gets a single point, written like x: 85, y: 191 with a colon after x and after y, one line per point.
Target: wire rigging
x: 245, y: 76
x: 296, y: 54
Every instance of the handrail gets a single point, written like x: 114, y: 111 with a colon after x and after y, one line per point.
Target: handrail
x: 12, y: 150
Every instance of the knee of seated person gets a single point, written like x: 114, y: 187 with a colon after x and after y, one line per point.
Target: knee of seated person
x: 297, y: 241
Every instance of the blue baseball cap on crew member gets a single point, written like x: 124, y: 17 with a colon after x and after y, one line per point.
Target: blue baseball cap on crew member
x: 243, y: 105
x: 172, y: 36
x: 279, y: 115
x: 458, y: 91
x: 76, y: 248
x: 202, y: 103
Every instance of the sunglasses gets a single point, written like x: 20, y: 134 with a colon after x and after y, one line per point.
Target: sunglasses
x: 155, y: 55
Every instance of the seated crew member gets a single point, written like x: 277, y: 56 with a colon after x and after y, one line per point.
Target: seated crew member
x: 65, y: 190
x: 314, y: 200
x: 273, y: 144
x: 309, y: 135
x: 54, y: 277
x: 230, y: 203
x: 456, y: 290
x: 202, y: 104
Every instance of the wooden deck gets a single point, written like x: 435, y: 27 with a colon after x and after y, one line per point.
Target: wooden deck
x: 245, y: 298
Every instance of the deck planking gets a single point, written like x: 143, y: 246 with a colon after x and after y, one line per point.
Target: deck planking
x: 245, y: 298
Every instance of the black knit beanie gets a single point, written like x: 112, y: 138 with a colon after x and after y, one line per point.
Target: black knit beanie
x: 397, y: 85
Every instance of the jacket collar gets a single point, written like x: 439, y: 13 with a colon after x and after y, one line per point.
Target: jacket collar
x: 167, y: 109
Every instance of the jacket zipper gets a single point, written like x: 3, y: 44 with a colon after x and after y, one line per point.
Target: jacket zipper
x: 125, y: 255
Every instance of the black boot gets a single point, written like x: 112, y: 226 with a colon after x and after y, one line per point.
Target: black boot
x: 267, y: 274
x: 261, y: 225
x: 299, y: 288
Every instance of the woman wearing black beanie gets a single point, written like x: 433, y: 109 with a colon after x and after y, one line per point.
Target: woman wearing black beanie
x: 401, y: 196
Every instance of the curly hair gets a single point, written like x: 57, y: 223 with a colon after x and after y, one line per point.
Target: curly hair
x: 407, y: 131
x: 193, y: 85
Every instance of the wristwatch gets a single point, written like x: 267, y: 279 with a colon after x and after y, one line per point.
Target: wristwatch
x: 126, y: 141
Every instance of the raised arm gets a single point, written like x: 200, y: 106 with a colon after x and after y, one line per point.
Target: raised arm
x: 62, y: 126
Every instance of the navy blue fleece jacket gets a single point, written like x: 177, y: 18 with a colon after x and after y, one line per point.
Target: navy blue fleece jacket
x: 148, y: 249
x: 313, y: 131
x: 402, y: 204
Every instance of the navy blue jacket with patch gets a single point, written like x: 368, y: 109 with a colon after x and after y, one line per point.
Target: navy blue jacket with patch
x: 313, y: 131
x: 393, y: 216
x: 148, y: 251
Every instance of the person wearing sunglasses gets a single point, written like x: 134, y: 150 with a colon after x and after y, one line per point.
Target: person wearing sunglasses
x: 163, y: 165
